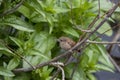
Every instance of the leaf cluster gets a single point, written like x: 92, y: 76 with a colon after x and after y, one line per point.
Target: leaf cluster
x: 30, y: 34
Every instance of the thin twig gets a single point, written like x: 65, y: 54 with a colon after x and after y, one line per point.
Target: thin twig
x: 59, y: 65
x: 63, y: 73
x: 113, y: 62
x: 15, y: 53
x: 83, y: 30
x: 99, y: 7
x: 115, y: 38
x: 21, y: 57
x: 95, y: 42
x: 105, y: 32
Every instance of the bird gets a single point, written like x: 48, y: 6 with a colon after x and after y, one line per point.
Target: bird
x: 66, y: 43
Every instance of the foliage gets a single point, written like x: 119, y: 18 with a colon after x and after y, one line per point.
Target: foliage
x: 32, y: 31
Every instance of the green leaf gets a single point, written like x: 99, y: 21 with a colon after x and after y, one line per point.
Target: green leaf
x: 41, y: 12
x: 37, y: 52
x: 61, y: 10
x: 75, y: 3
x: 6, y: 72
x: 17, y: 41
x: 13, y: 63
x: 91, y: 76
x: 50, y: 21
x: 5, y: 50
x: 44, y: 72
x: 23, y: 76
x: 105, y: 27
x: 104, y: 67
x: 84, y: 61
x: 106, y: 5
x: 33, y: 60
x: 93, y: 57
x: 71, y: 31
x: 104, y: 59
x: 79, y: 75
x: 44, y: 42
x: 37, y: 7
x: 17, y: 23
x: 24, y: 10
x: 8, y: 78
x: 48, y: 70
x: 36, y: 18
x: 106, y: 63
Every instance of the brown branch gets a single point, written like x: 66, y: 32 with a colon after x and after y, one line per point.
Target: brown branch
x: 105, y: 32
x: 113, y: 62
x: 115, y: 38
x: 17, y: 54
x: 99, y: 7
x: 95, y: 42
x: 59, y: 65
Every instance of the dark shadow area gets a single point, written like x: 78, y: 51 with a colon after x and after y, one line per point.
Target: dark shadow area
x: 104, y: 75
x: 115, y: 54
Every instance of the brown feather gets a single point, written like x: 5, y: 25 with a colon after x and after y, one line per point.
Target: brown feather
x: 66, y: 43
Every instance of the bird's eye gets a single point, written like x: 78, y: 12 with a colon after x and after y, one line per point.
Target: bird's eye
x: 61, y: 40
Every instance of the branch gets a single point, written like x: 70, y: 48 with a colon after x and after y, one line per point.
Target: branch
x: 113, y: 62
x: 94, y: 42
x: 17, y: 54
x: 59, y: 66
